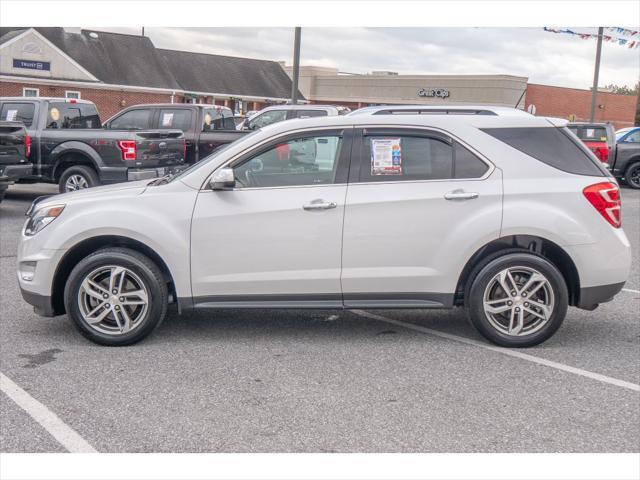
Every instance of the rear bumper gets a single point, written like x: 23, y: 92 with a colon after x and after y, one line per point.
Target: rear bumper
x: 110, y: 175
x: 590, y: 297
x: 12, y: 173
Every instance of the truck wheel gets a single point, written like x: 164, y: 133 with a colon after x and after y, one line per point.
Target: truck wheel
x: 77, y: 178
x: 632, y: 175
x: 518, y: 300
x: 116, y: 296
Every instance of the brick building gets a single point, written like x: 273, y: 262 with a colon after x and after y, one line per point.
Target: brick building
x: 115, y: 71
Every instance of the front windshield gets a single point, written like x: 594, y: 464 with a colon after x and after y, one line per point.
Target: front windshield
x: 211, y: 157
x: 622, y: 133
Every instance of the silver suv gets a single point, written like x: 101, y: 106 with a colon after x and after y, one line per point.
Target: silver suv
x: 279, y: 113
x: 508, y: 216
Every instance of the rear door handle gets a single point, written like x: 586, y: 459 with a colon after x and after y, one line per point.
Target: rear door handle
x: 319, y: 204
x: 460, y: 195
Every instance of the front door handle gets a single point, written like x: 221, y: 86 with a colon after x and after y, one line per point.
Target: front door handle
x: 319, y: 204
x: 460, y: 195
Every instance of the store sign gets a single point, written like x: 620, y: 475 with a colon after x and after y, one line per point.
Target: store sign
x: 433, y: 92
x: 31, y: 64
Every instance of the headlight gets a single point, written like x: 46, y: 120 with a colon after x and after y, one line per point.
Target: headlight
x: 41, y: 218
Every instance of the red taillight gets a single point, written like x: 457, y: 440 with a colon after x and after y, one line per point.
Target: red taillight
x: 27, y: 146
x: 602, y: 153
x: 184, y: 149
x: 128, y: 149
x: 605, y: 197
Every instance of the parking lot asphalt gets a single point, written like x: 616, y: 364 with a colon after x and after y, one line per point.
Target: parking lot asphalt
x: 322, y: 381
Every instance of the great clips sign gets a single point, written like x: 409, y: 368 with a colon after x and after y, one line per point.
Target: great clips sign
x: 31, y: 64
x: 433, y: 92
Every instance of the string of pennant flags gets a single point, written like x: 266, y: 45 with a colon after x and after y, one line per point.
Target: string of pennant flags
x: 627, y: 42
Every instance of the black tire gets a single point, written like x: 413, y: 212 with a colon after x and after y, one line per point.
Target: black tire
x: 488, y: 271
x: 632, y: 175
x: 145, y: 269
x: 87, y: 174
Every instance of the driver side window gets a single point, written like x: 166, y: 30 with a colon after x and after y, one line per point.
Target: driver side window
x: 309, y: 160
x: 267, y: 118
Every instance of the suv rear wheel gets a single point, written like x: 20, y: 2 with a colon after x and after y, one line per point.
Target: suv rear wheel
x: 518, y: 300
x: 116, y: 296
x: 77, y: 177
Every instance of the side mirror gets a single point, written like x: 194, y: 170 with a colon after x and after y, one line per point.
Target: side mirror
x: 222, y: 179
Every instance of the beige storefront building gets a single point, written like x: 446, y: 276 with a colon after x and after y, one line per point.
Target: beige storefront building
x: 327, y: 85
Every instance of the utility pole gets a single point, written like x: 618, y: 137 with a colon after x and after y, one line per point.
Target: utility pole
x: 596, y: 73
x: 296, y: 66
x: 143, y: 31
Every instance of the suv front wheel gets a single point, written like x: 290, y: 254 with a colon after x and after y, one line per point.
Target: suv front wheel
x: 116, y: 296
x: 518, y: 300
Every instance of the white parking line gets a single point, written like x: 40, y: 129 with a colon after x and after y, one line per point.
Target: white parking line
x: 630, y: 290
x: 506, y: 351
x: 63, y: 433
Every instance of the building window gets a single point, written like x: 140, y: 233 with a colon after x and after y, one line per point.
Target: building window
x: 30, y: 92
x: 72, y: 94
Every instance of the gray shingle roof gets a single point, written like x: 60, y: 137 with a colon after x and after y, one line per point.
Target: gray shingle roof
x: 201, y: 72
x: 133, y: 60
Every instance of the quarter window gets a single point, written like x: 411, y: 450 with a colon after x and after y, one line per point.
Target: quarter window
x: 310, y: 160
x: 18, y: 112
x: 466, y: 164
x: 131, y: 120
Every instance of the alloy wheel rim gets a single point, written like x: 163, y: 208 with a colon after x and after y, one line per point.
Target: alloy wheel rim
x: 634, y: 176
x: 518, y: 301
x: 113, y: 300
x: 76, y: 182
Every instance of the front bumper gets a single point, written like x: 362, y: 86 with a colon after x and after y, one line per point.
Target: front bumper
x: 41, y: 303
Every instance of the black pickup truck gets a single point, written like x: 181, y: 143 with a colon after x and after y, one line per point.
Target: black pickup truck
x: 205, y: 127
x: 70, y: 147
x: 626, y: 157
x: 14, y: 151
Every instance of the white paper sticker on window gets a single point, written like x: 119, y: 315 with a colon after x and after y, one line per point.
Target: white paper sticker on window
x: 11, y: 115
x: 167, y: 119
x: 386, y: 156
x: 590, y: 132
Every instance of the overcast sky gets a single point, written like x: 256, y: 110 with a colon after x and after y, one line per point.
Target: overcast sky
x: 548, y: 58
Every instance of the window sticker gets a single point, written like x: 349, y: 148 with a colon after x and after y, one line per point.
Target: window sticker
x: 386, y: 156
x: 207, y: 119
x: 11, y: 115
x: 54, y: 113
x: 590, y: 132
x: 167, y: 119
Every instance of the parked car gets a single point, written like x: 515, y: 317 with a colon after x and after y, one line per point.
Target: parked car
x: 626, y: 159
x: 511, y: 217
x: 15, y: 144
x: 70, y: 148
x: 598, y: 137
x: 205, y: 127
x: 278, y: 113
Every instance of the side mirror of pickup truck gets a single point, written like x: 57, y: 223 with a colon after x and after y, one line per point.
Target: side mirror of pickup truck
x: 223, y: 179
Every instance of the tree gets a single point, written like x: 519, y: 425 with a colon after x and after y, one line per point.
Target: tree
x: 624, y: 89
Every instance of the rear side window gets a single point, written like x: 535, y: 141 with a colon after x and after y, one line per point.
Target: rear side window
x: 178, y: 118
x: 466, y: 164
x: 397, y: 158
x: 309, y: 113
x: 217, y: 119
x: 72, y: 116
x: 132, y: 120
x: 552, y: 146
x: 18, y: 112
